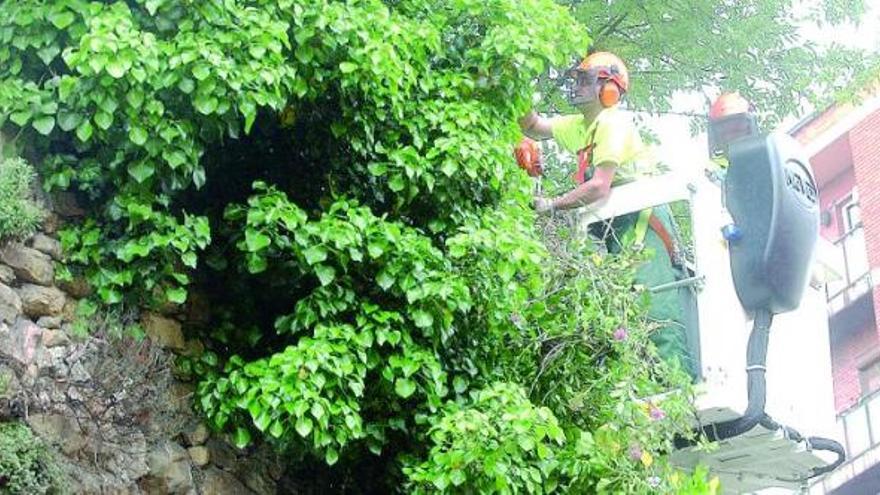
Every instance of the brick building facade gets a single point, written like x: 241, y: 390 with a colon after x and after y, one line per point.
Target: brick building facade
x: 864, y: 141
x: 843, y: 143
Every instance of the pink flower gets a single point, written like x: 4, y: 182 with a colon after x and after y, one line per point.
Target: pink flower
x: 656, y: 413
x: 620, y: 334
x: 635, y: 452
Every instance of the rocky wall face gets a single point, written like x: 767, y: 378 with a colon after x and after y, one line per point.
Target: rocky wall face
x: 111, y: 407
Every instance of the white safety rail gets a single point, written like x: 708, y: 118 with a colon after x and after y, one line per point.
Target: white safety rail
x: 799, y: 387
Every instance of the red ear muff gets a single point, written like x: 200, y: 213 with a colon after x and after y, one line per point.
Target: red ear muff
x: 609, y: 94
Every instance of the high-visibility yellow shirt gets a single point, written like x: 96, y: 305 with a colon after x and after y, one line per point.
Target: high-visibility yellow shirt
x: 720, y: 162
x: 614, y: 138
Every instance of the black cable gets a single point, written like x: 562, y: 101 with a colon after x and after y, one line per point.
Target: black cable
x: 831, y: 446
x: 771, y: 424
x: 756, y: 359
x: 815, y: 443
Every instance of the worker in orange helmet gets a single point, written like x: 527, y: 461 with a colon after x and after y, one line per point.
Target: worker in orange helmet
x: 604, y: 139
x: 609, y: 152
x: 730, y: 119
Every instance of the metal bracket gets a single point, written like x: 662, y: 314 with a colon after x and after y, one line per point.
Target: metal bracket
x: 696, y: 281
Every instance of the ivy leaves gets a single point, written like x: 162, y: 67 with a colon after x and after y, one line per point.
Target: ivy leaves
x: 347, y: 245
x: 332, y: 363
x: 155, y: 240
x: 44, y: 124
x: 149, y: 101
x: 152, y: 87
x: 499, y: 443
x: 406, y: 258
x: 311, y: 392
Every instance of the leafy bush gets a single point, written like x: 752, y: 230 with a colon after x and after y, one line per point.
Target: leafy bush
x: 320, y: 379
x: 26, y: 466
x: 336, y: 177
x: 19, y: 215
x: 579, y: 346
x: 499, y: 441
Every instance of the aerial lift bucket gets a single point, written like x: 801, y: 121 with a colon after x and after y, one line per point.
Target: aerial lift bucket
x: 753, y: 246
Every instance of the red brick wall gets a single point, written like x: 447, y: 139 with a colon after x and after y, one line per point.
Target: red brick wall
x: 846, y: 353
x: 849, y: 349
x: 864, y: 141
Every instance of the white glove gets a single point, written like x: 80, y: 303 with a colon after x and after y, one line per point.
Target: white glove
x: 543, y: 205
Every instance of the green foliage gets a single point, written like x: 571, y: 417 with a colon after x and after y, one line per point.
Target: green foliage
x: 563, y: 343
x: 26, y: 466
x: 19, y: 215
x: 136, y: 93
x: 757, y: 47
x: 151, y: 266
x: 313, y: 389
x: 335, y: 178
x: 499, y: 443
x: 614, y: 377
x: 115, y: 322
x: 699, y: 482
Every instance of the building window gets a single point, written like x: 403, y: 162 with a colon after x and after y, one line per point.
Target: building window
x: 858, y: 434
x: 852, y: 215
x: 852, y: 241
x: 869, y: 377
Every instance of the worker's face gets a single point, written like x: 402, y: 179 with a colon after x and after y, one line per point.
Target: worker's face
x: 585, y: 89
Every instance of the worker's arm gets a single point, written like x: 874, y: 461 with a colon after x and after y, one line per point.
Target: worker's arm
x: 595, y: 189
x: 535, y: 126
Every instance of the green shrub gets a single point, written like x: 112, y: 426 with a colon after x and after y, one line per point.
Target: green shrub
x: 19, y: 216
x: 500, y: 442
x: 385, y: 262
x: 26, y: 465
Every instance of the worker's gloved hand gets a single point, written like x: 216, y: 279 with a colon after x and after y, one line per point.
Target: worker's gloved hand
x: 543, y: 206
x: 528, y: 157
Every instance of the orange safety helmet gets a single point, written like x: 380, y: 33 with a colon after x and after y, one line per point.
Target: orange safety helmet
x: 609, y: 69
x: 728, y: 104
x: 730, y: 119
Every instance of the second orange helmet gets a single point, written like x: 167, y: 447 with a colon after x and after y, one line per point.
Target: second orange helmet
x: 728, y: 104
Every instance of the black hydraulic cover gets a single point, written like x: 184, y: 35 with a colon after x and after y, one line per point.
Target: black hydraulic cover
x: 773, y: 199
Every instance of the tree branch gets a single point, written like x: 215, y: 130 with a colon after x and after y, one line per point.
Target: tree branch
x: 609, y: 28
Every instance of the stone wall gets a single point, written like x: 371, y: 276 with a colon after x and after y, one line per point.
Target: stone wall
x: 110, y: 406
